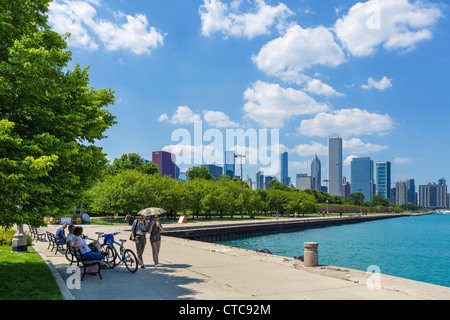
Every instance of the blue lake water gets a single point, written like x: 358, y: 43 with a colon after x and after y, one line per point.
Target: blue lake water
x: 416, y: 248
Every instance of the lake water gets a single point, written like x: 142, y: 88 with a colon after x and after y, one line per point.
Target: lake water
x: 416, y: 248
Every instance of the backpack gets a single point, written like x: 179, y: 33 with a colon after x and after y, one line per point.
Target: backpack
x: 109, y: 238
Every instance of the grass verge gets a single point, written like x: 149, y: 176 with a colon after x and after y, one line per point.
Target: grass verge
x: 26, y: 276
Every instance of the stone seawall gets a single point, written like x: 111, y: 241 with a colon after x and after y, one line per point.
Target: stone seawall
x: 223, y: 231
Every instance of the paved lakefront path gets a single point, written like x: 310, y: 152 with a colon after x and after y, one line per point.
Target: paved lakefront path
x: 195, y: 270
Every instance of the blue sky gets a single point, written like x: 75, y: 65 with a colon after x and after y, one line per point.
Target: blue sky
x: 373, y: 72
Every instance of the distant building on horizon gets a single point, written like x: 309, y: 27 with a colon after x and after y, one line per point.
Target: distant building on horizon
x: 401, y: 193
x: 433, y: 195
x: 229, y: 168
x: 410, y: 191
x: 335, y: 166
x: 284, y: 163
x: 166, y: 163
x: 303, y: 181
x: 362, y: 177
x: 316, y: 174
x: 215, y: 170
x: 346, y: 188
x: 383, y: 180
x: 260, y: 180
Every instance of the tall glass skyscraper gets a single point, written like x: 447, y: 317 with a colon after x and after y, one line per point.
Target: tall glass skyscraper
x: 335, y: 166
x: 230, y: 167
x: 362, y: 177
x: 410, y: 191
x: 383, y: 179
x: 260, y: 180
x: 284, y: 159
x: 316, y: 175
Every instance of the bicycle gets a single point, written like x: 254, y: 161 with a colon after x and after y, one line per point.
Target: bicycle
x: 125, y: 256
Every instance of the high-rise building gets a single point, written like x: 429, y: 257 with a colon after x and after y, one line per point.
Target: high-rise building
x: 346, y: 188
x: 249, y: 182
x: 260, y: 180
x: 166, y: 163
x: 284, y: 160
x: 410, y: 191
x: 335, y: 166
x: 433, y: 195
x: 383, y: 179
x: 316, y: 174
x: 303, y: 181
x: 216, y: 171
x: 230, y: 167
x: 362, y: 177
x: 267, y: 179
x: 400, y: 192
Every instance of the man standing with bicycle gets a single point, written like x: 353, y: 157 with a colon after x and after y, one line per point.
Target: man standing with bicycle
x: 138, y: 231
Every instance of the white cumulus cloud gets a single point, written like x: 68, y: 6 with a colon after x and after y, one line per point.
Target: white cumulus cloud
x: 393, y: 24
x: 219, y: 119
x: 126, y: 32
x: 381, y: 85
x: 271, y: 105
x: 219, y: 18
x: 183, y: 115
x: 346, y: 123
x: 297, y: 50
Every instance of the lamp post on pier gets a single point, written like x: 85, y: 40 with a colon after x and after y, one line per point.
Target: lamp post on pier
x: 242, y: 186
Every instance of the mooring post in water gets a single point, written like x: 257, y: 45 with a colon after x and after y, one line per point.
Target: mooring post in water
x: 311, y: 255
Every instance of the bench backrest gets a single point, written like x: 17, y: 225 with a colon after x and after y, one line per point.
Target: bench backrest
x: 51, y: 236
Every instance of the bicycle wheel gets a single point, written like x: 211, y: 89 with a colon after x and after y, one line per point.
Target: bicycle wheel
x: 110, y: 257
x: 68, y: 255
x: 130, y: 260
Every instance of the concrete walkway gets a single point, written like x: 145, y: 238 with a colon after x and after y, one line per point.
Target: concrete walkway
x: 195, y: 270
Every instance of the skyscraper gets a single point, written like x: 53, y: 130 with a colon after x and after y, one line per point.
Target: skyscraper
x: 400, y: 192
x: 303, y: 181
x: 284, y: 159
x: 362, y: 177
x: 410, y: 191
x: 260, y: 180
x: 229, y: 167
x: 335, y: 166
x: 433, y: 195
x: 166, y: 163
x: 316, y: 175
x: 216, y: 171
x: 383, y: 179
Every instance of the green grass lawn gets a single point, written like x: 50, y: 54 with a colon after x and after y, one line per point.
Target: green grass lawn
x: 26, y: 276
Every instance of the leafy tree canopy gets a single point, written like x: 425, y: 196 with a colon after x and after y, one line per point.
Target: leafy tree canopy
x: 50, y: 119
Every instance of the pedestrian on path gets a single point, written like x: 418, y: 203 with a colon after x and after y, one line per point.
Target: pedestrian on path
x: 155, y: 238
x: 138, y: 231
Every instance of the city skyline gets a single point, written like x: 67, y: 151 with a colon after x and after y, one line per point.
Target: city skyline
x: 346, y: 69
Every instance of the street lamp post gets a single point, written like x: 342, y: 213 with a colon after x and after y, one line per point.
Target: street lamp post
x: 326, y: 181
x: 242, y: 186
x: 360, y: 202
x: 19, y: 242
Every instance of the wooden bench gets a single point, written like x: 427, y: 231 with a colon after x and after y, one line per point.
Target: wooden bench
x: 37, y: 234
x: 53, y: 243
x: 78, y: 257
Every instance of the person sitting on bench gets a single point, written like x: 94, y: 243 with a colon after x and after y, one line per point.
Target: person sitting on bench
x: 61, y: 234
x: 86, y: 251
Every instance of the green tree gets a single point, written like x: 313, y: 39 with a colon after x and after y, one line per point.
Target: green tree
x: 51, y: 118
x: 356, y: 198
x: 378, y: 200
x: 199, y: 173
x: 127, y: 192
x: 132, y: 161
